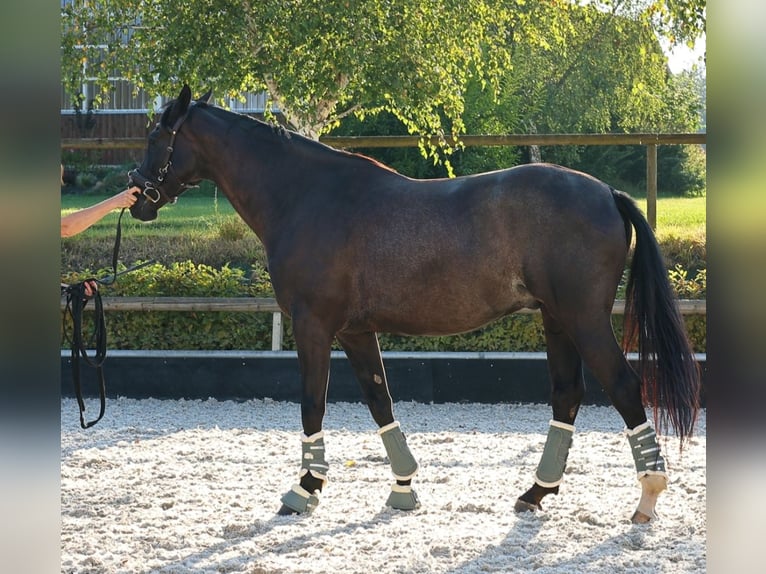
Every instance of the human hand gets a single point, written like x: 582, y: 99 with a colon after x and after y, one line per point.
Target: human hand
x: 127, y: 197
x: 90, y: 288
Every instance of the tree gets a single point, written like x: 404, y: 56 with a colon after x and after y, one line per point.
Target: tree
x: 321, y: 60
x: 607, y: 73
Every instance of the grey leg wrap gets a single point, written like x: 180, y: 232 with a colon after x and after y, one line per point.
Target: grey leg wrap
x: 646, y: 451
x: 403, y: 464
x: 550, y: 470
x: 313, y: 461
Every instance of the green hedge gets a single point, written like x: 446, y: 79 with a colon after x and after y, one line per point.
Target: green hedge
x: 158, y: 330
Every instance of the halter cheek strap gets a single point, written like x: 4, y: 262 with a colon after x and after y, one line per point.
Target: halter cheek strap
x: 153, y: 190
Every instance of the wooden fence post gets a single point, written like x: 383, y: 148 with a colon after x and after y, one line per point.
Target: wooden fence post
x: 651, y: 185
x: 276, y: 332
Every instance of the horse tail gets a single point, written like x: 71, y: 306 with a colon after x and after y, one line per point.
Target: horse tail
x: 670, y: 376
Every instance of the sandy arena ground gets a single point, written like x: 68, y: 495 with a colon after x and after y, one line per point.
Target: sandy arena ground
x: 191, y: 487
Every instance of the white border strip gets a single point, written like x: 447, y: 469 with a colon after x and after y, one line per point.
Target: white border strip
x: 421, y: 355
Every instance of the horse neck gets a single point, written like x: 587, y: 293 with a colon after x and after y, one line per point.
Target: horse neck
x: 249, y: 165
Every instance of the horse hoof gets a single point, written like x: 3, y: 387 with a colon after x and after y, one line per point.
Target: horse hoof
x: 402, y: 497
x: 524, y: 506
x: 286, y: 511
x: 640, y: 518
x: 297, y: 500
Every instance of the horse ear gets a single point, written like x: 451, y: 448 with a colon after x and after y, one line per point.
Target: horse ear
x: 180, y: 106
x: 205, y: 97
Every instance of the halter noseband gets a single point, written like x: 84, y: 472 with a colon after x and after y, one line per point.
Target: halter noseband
x: 153, y: 190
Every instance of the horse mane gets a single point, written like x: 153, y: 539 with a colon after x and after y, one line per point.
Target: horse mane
x: 250, y: 123
x: 371, y: 160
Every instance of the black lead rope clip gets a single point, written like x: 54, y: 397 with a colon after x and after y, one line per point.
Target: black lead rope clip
x: 76, y: 301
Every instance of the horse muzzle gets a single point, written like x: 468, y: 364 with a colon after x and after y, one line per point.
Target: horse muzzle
x: 152, y: 197
x: 143, y: 210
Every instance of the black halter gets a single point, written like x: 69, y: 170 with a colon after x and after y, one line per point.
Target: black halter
x: 154, y: 189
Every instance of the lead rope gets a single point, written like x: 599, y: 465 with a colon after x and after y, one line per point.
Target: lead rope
x: 76, y: 301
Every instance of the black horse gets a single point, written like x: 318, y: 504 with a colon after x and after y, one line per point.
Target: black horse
x: 355, y: 248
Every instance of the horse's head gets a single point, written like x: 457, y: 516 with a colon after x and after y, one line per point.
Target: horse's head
x: 169, y: 166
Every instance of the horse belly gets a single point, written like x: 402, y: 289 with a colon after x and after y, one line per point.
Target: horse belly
x: 435, y: 325
x: 442, y: 306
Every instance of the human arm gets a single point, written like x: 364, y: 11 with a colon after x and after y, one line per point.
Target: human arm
x: 78, y: 221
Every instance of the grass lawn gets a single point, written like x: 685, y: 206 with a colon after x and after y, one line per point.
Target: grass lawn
x: 680, y: 216
x: 193, y: 215
x: 203, y: 216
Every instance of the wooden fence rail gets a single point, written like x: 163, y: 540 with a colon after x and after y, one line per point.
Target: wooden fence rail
x: 355, y: 142
x: 269, y: 305
x: 651, y: 141
x: 256, y: 305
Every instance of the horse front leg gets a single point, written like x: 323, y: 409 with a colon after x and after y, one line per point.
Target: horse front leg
x: 567, y: 390
x: 313, y: 342
x: 363, y: 352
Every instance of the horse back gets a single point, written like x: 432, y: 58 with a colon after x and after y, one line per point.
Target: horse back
x: 444, y: 256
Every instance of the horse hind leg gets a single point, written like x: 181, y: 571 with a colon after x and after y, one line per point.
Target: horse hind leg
x: 567, y: 390
x: 650, y: 466
x: 609, y: 366
x: 363, y: 352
